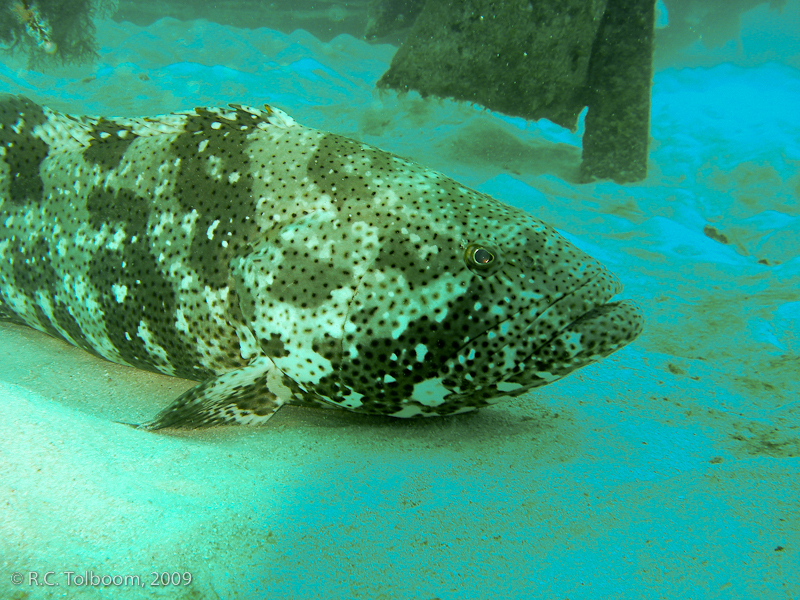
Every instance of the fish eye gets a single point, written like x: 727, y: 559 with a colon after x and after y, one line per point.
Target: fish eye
x: 483, y: 258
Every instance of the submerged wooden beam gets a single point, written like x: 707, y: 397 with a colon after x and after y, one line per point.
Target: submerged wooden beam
x: 618, y: 93
x: 542, y: 59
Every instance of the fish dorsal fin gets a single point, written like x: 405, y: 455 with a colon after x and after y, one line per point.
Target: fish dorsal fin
x: 70, y: 132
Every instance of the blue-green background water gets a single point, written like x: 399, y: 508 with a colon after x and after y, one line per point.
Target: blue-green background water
x: 669, y: 470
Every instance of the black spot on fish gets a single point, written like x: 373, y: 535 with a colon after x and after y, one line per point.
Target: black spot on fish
x: 304, y: 281
x: 24, y: 153
x: 217, y: 183
x: 66, y: 322
x: 121, y: 206
x: 429, y: 348
x: 35, y: 277
x: 332, y: 169
x: 398, y: 253
x: 147, y: 298
x: 32, y: 270
x: 70, y: 326
x: 274, y: 347
x: 107, y: 146
x: 44, y: 322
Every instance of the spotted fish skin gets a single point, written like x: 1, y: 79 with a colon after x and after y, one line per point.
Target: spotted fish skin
x: 277, y: 264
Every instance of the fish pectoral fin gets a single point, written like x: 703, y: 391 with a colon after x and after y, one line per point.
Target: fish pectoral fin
x: 246, y: 396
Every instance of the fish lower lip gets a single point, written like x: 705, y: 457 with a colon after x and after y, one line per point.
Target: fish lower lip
x: 600, y: 331
x: 612, y: 312
x: 597, y: 333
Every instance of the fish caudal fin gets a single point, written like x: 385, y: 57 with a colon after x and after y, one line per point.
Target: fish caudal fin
x: 246, y: 396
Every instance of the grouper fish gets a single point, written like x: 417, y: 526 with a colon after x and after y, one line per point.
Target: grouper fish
x: 277, y: 264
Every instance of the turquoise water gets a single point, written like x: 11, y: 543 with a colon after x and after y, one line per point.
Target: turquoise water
x: 669, y: 470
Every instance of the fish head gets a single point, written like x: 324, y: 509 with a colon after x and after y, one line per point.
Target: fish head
x: 471, y: 301
x: 388, y: 288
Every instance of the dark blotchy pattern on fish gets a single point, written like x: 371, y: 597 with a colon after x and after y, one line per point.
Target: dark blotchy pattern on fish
x: 279, y: 264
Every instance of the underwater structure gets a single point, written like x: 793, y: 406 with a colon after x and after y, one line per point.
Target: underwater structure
x: 545, y: 59
x: 386, y: 17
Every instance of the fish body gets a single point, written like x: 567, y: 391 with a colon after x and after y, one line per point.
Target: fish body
x: 277, y: 264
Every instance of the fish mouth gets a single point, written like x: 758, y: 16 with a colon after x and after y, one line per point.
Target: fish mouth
x: 579, y: 328
x: 538, y: 345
